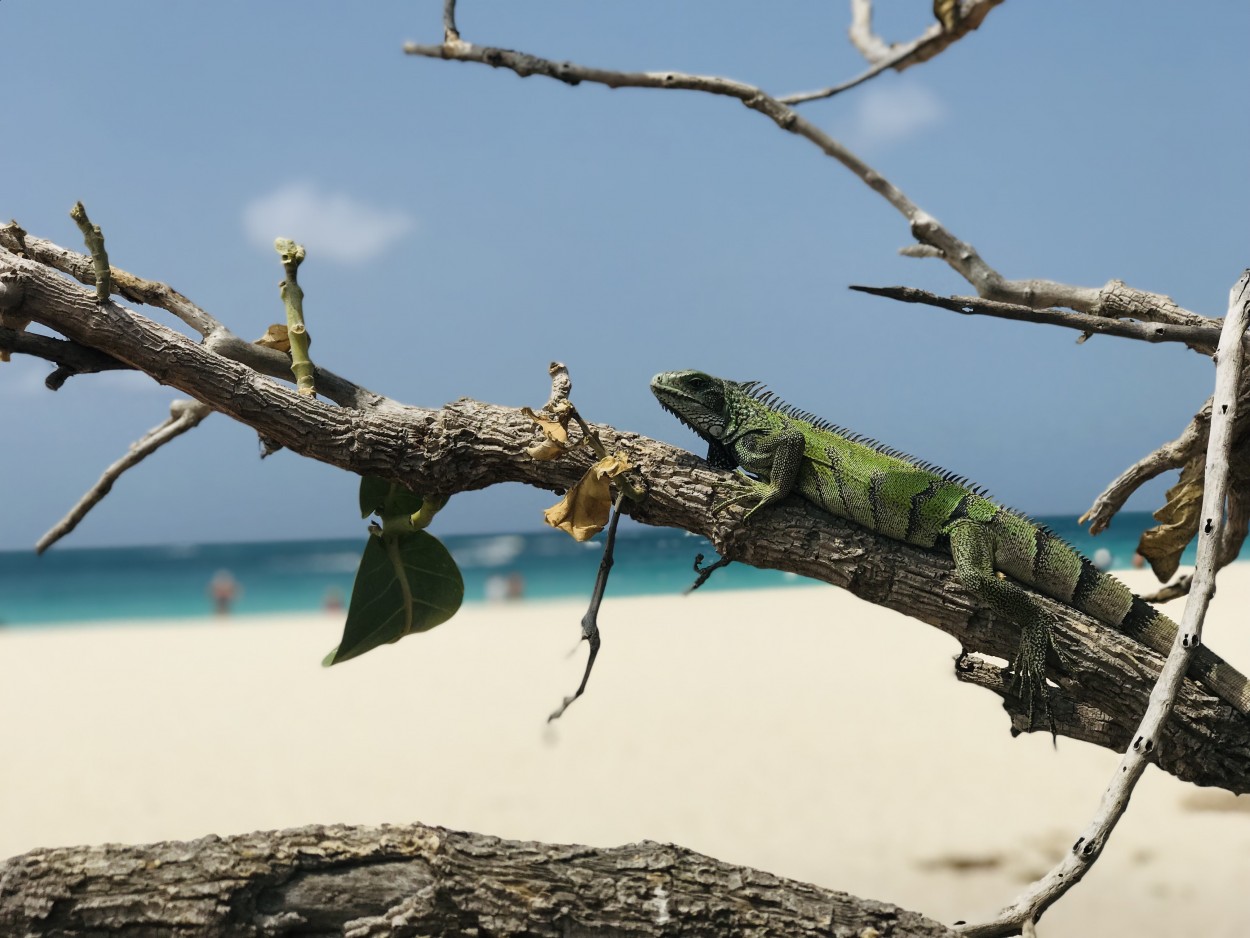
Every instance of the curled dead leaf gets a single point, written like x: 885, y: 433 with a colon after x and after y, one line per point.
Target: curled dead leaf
x: 275, y: 337
x: 584, y: 510
x: 1163, y: 544
x: 547, y: 449
x: 612, y: 466
x: 555, y: 440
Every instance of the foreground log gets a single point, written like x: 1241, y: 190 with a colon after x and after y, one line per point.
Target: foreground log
x: 418, y: 880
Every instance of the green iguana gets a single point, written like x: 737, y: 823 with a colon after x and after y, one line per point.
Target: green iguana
x: 886, y: 491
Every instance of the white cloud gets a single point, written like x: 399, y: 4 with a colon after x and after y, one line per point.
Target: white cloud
x: 890, y: 113
x: 331, y: 225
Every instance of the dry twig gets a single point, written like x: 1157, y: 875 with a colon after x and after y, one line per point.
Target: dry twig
x: 884, y: 56
x: 183, y: 415
x: 1198, y: 337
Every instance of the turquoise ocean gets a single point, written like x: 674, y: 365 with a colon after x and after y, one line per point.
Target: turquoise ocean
x: 71, y: 584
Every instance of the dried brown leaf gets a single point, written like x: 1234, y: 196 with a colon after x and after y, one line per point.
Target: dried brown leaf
x: 555, y: 440
x: 547, y: 449
x: 276, y: 337
x: 1179, y: 517
x: 584, y: 510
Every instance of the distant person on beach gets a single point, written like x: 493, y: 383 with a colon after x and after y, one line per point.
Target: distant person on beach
x: 333, y: 601
x: 514, y: 587
x: 505, y: 588
x: 223, y: 589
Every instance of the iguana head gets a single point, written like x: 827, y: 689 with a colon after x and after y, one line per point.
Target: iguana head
x: 696, y: 399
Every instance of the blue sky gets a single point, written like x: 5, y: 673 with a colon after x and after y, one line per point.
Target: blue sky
x: 466, y: 226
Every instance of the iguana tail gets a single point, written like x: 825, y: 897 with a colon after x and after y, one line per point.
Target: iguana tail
x: 1041, y: 559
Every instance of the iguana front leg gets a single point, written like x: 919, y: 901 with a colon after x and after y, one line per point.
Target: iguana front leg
x: 973, y: 551
x: 775, y: 457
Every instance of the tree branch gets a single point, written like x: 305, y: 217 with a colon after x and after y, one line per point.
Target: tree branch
x: 1167, y: 457
x: 82, y: 269
x: 183, y: 415
x: 1201, y: 338
x: 450, y: 32
x: 216, y: 336
x: 418, y: 880
x: 72, y: 358
x: 959, y: 255
x: 469, y: 445
x: 897, y: 56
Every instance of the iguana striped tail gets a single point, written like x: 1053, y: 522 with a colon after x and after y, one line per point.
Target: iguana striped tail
x: 1056, y: 569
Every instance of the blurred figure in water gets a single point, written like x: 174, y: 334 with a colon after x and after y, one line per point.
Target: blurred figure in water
x: 333, y: 601
x: 223, y: 589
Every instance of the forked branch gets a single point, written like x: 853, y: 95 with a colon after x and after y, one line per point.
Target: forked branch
x: 1110, y: 300
x: 216, y: 336
x: 898, y: 56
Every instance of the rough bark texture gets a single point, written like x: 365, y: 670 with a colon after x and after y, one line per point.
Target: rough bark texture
x: 419, y: 881
x: 469, y: 445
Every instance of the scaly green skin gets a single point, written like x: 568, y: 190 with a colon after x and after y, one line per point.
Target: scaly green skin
x: 906, y: 500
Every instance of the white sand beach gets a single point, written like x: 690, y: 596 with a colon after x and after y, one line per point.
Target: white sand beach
x: 749, y: 725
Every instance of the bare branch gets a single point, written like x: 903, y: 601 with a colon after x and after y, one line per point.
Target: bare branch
x: 450, y: 33
x: 469, y: 445
x: 1118, y: 299
x: 920, y: 250
x: 862, y: 36
x: 80, y: 267
x: 217, y: 337
x: 1085, y: 852
x: 1167, y: 457
x: 183, y: 415
x: 1198, y: 337
x: 73, y: 359
x: 898, y: 56
x: 961, y: 256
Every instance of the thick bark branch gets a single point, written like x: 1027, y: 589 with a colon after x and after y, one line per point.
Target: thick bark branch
x: 417, y: 880
x: 469, y: 445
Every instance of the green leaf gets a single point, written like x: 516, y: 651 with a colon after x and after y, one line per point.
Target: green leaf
x: 386, y: 499
x: 405, y: 583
